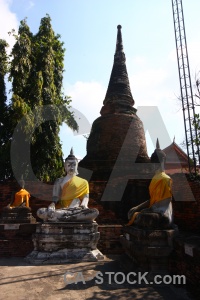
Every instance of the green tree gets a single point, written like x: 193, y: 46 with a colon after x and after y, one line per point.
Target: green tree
x: 19, y: 75
x: 195, y: 129
x: 5, y: 168
x: 37, y: 74
x: 196, y: 121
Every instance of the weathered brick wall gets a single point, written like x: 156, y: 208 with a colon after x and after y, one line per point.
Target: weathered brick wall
x: 41, y: 195
x: 186, y: 213
x: 38, y: 190
x: 187, y: 263
x: 109, y: 239
x: 16, y: 242
x: 186, y: 202
x: 7, y: 190
x: 112, y: 210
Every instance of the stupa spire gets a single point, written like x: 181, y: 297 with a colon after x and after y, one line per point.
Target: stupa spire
x: 118, y: 98
x: 157, y: 144
x: 119, y: 43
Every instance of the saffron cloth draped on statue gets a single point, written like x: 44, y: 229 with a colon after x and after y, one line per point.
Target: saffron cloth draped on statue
x: 76, y: 187
x: 20, y: 197
x: 159, y: 190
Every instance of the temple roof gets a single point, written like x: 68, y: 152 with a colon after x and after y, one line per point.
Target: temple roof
x: 175, y: 154
x: 118, y: 97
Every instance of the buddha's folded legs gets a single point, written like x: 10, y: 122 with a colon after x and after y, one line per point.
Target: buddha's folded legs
x: 67, y: 214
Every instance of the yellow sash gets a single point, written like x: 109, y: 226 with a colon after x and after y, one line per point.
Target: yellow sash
x: 159, y: 189
x: 74, y: 188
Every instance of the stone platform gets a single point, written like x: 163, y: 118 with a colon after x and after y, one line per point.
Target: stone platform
x: 65, y: 242
x: 17, y: 215
x: 149, y: 249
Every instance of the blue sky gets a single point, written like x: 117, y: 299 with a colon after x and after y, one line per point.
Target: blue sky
x: 88, y: 29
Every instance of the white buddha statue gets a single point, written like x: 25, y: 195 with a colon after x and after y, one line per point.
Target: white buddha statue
x: 70, y: 197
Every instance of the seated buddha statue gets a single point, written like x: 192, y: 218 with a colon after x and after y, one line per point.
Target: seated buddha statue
x: 21, y: 198
x: 157, y: 211
x: 18, y: 210
x: 70, y: 197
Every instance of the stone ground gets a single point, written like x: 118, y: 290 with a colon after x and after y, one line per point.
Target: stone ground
x: 21, y: 281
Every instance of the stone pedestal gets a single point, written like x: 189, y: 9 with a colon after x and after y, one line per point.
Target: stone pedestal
x: 16, y: 227
x: 149, y: 249
x: 63, y: 242
x: 17, y: 215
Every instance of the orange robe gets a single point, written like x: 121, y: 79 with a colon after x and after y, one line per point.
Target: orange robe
x: 20, y: 197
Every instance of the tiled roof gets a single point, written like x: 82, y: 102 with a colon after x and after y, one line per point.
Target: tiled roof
x: 175, y: 154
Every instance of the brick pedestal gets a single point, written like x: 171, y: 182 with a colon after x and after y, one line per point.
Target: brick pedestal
x: 65, y: 242
x: 18, y: 215
x: 149, y: 249
x: 15, y: 239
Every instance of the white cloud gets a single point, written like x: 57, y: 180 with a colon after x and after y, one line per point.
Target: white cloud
x: 158, y: 86
x: 146, y: 85
x: 137, y: 60
x: 172, y: 55
x: 193, y: 54
x: 8, y: 21
x: 30, y: 5
x: 194, y: 58
x: 87, y: 97
x: 68, y: 140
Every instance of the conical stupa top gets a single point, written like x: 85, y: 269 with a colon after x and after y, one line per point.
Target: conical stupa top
x: 118, y: 97
x: 119, y: 44
x: 157, y: 144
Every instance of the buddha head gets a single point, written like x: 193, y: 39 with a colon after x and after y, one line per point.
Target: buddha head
x: 158, y: 157
x: 71, y: 164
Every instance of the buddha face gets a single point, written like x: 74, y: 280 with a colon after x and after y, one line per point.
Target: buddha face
x: 71, y: 166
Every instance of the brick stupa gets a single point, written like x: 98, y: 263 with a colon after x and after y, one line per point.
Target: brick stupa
x: 117, y: 139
